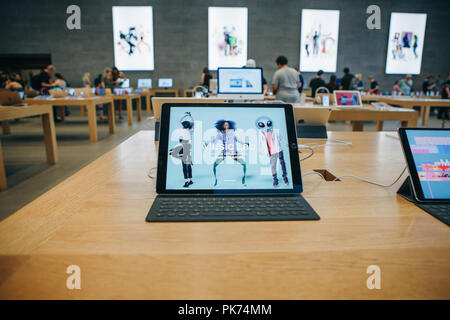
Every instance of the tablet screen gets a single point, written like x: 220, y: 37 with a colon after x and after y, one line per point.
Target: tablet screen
x: 347, y: 98
x: 228, y: 148
x: 240, y: 80
x: 430, y: 150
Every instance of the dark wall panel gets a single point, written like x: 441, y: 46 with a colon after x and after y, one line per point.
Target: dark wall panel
x: 180, y: 26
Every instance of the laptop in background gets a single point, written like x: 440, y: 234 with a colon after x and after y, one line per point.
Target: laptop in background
x: 240, y: 83
x: 10, y: 98
x: 347, y: 98
x: 228, y: 162
x: 165, y: 83
x: 144, y: 83
x: 125, y: 83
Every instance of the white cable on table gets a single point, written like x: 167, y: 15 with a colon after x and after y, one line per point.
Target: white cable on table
x: 313, y: 172
x: 371, y: 182
x: 359, y: 178
x: 149, y: 173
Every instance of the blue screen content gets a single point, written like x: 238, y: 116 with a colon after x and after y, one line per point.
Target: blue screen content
x: 144, y: 83
x: 431, y: 150
x: 228, y: 149
x: 165, y: 83
x: 240, y: 80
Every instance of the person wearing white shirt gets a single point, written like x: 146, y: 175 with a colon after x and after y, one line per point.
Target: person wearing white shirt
x: 183, y: 150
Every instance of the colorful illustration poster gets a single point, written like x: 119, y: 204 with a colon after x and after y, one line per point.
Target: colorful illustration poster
x: 133, y: 38
x: 227, y: 37
x: 405, y: 43
x: 319, y: 40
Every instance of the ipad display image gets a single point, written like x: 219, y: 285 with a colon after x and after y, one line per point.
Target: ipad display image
x: 347, y: 98
x: 227, y: 37
x: 144, y: 83
x: 405, y: 43
x: 240, y: 80
x: 227, y: 149
x: 431, y: 152
x: 319, y: 40
x: 133, y: 37
x: 165, y: 82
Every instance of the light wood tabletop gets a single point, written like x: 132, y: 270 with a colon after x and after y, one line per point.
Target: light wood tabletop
x: 408, y: 118
x: 425, y: 104
x: 89, y: 102
x: 96, y: 220
x: 48, y: 125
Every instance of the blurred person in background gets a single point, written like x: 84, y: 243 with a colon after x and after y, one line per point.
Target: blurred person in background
x: 87, y: 83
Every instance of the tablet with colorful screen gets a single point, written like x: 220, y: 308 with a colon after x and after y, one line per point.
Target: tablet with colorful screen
x: 427, y: 152
x: 344, y: 98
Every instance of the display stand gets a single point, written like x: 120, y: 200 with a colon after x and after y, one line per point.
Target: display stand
x: 406, y: 190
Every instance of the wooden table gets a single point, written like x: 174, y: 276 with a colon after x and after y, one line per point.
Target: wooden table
x: 129, y: 104
x: 425, y: 104
x: 89, y: 102
x: 164, y: 92
x: 370, y: 113
x: 147, y: 95
x: 188, y: 93
x: 96, y: 220
x: 48, y: 126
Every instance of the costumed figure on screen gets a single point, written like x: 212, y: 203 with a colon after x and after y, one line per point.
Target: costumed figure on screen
x: 270, y: 144
x: 227, y: 140
x: 182, y: 151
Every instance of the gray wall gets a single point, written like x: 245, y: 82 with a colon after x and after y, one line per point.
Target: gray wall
x: 180, y: 28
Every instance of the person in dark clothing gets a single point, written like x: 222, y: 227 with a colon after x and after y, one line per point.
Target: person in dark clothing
x: 332, y: 84
x: 206, y: 77
x: 117, y: 77
x: 374, y: 87
x: 316, y: 83
x: 3, y: 79
x: 443, y: 112
x: 428, y: 85
x: 302, y: 81
x: 347, y: 80
x: 43, y: 83
x: 18, y: 78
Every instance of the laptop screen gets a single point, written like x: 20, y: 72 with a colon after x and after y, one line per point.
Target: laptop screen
x: 228, y: 148
x: 125, y: 83
x: 144, y: 83
x: 347, y: 98
x: 430, y: 151
x: 165, y: 82
x: 240, y: 80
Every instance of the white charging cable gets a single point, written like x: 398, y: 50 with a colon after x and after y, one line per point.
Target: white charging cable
x: 313, y: 146
x: 359, y: 178
x: 149, y: 173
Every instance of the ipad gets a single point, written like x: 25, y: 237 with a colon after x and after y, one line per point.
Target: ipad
x: 223, y: 144
x: 427, y: 153
x: 344, y: 98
